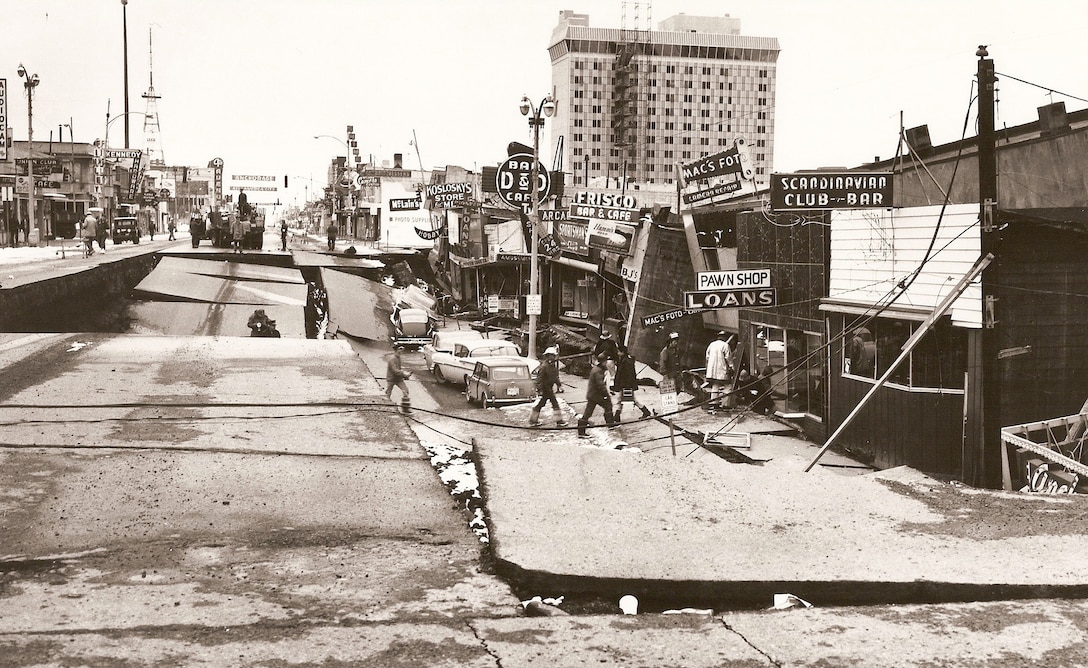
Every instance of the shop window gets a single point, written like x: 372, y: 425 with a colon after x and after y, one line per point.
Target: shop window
x: 938, y: 362
x: 580, y: 298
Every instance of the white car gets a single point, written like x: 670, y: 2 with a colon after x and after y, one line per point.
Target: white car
x: 457, y: 366
x: 443, y: 341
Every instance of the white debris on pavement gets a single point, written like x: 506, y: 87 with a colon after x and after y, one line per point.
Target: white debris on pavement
x: 458, y: 473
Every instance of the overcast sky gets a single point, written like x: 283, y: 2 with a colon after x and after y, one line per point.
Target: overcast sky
x: 252, y: 81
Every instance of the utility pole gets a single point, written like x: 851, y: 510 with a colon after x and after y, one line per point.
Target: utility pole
x: 987, y: 432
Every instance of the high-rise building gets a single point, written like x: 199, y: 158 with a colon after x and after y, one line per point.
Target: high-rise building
x: 632, y: 104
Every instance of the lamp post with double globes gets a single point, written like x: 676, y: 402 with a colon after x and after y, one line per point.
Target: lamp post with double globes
x: 536, y: 116
x: 30, y: 84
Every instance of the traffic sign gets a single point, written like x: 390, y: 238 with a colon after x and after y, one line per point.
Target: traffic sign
x: 514, y: 177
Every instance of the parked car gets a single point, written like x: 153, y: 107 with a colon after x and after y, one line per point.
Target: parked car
x: 411, y: 326
x: 443, y: 342
x: 456, y: 367
x: 126, y: 228
x: 500, y: 380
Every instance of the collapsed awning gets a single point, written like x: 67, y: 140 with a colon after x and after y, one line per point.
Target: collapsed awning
x: 576, y: 264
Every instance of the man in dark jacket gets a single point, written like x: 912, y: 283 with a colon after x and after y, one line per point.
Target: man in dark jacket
x: 395, y: 375
x: 668, y: 362
x: 597, y: 395
x: 547, y: 380
x: 627, y: 382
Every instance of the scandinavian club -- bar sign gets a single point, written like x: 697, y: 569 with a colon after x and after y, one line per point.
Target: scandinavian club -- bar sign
x: 749, y: 288
x: 831, y: 190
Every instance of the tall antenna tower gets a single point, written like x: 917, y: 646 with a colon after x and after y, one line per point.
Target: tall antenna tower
x: 151, y: 114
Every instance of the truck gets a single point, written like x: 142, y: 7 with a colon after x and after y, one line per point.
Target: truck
x: 219, y: 230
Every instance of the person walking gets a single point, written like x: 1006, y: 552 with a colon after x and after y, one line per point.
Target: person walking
x: 103, y: 230
x: 597, y: 395
x: 331, y: 232
x: 627, y: 383
x: 395, y: 375
x: 170, y: 227
x: 237, y: 233
x: 668, y: 361
x: 90, y: 233
x: 283, y: 235
x: 719, y: 369
x: 546, y: 383
x: 13, y: 231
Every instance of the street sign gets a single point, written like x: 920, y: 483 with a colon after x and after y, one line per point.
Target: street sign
x: 667, y: 391
x: 533, y: 305
x: 513, y: 181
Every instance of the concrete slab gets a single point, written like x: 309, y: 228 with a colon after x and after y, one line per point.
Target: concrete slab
x: 360, y: 261
x: 210, y: 319
x: 212, y: 393
x: 570, y: 518
x: 358, y: 306
x: 241, y: 271
x: 174, y: 278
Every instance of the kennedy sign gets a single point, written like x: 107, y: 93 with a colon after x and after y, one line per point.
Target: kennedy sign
x: 831, y: 190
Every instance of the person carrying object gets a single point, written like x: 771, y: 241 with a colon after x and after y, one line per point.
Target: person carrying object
x: 627, y: 383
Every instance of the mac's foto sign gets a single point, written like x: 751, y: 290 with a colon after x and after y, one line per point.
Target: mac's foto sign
x: 831, y: 190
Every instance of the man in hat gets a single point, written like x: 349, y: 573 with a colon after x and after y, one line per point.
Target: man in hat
x: 547, y: 381
x: 719, y: 368
x: 668, y: 362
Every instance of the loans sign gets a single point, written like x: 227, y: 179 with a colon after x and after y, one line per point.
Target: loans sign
x: 731, y: 299
x: 831, y: 190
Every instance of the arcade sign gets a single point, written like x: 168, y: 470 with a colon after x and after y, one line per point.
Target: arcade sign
x: 831, y: 190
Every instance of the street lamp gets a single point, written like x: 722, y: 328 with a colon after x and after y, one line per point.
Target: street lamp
x: 124, y: 23
x: 30, y: 84
x: 536, y: 121
x: 342, y: 142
